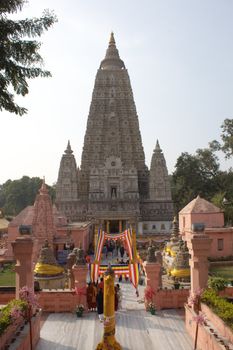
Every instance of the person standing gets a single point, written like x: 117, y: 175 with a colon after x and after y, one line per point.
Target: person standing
x: 89, y: 295
x: 100, y: 304
x: 119, y: 296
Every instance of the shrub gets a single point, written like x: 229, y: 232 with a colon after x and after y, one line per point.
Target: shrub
x: 7, y: 313
x: 219, y: 305
x: 217, y: 283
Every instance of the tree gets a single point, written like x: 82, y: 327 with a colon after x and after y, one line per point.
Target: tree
x: 17, y: 194
x: 193, y: 175
x: 19, y: 53
x: 227, y: 139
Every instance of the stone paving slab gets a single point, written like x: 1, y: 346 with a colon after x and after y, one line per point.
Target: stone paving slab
x: 136, y: 329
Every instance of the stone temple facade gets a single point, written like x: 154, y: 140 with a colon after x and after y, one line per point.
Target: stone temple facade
x: 113, y: 186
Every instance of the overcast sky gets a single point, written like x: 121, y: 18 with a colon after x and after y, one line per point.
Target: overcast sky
x: 179, y: 55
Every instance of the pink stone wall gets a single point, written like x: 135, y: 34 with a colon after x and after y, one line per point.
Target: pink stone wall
x: 22, y: 341
x: 217, y: 323
x: 211, y: 220
x: 13, y: 233
x: 78, y: 235
x: 205, y: 339
x: 58, y: 301
x: 5, y: 297
x: 50, y: 301
x: 227, y: 236
x: 170, y: 299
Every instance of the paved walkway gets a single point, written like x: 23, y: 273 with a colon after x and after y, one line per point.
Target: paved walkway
x: 136, y: 329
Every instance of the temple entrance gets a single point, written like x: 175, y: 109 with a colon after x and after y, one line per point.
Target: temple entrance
x: 118, y: 249
x: 114, y: 226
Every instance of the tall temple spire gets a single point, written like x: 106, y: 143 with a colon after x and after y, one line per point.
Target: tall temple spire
x: 113, y: 180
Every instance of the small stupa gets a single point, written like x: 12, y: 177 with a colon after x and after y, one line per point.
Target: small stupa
x: 171, y: 247
x: 180, y: 266
x: 48, y: 272
x: 178, y: 263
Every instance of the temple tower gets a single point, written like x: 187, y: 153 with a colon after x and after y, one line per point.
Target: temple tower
x: 159, y: 186
x: 43, y: 227
x: 113, y: 179
x: 66, y: 188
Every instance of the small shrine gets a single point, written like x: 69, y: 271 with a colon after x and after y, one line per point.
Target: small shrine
x: 48, y: 272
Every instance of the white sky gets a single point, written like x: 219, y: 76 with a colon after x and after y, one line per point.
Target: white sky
x: 179, y: 54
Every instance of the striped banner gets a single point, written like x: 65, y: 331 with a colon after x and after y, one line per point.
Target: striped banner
x: 94, y: 272
x: 118, y: 270
x: 129, y: 244
x: 134, y: 274
x: 99, y: 245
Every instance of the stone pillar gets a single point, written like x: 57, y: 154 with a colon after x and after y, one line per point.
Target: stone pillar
x: 153, y: 275
x: 120, y: 225
x: 23, y: 251
x: 109, y: 341
x: 199, y: 248
x: 80, y: 277
x: 70, y: 262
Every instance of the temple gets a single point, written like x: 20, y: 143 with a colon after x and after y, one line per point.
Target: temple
x: 113, y: 186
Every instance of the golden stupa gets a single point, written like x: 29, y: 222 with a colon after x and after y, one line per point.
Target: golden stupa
x: 47, y: 271
x: 178, y: 261
x: 180, y: 266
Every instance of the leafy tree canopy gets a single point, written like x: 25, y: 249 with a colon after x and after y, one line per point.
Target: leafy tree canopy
x: 19, y: 53
x: 227, y: 139
x: 17, y: 194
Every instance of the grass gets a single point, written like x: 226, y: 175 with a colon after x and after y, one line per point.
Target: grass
x: 222, y: 271
x: 7, y: 276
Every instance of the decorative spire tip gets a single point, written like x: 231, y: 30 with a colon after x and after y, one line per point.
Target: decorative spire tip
x: 112, y: 39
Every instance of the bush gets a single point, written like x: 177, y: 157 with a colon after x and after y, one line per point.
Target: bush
x: 217, y: 283
x: 6, y: 313
x: 219, y: 305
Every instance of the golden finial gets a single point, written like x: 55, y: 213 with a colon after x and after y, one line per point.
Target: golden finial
x: 112, y: 40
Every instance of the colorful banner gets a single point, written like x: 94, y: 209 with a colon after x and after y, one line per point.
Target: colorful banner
x: 134, y: 274
x: 130, y: 270
x: 99, y: 245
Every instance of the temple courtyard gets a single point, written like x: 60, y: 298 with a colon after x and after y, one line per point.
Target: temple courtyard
x: 136, y: 329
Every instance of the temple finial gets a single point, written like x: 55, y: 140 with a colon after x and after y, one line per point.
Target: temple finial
x: 68, y: 148
x: 157, y: 144
x: 112, y: 39
x: 43, y: 188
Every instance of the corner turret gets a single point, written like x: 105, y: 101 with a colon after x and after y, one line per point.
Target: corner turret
x: 159, y: 185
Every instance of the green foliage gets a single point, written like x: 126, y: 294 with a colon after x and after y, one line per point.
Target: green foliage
x: 193, y: 175
x: 5, y: 313
x: 217, y: 283
x: 7, y: 275
x: 219, y: 305
x: 227, y: 139
x: 19, y: 53
x: 17, y: 194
